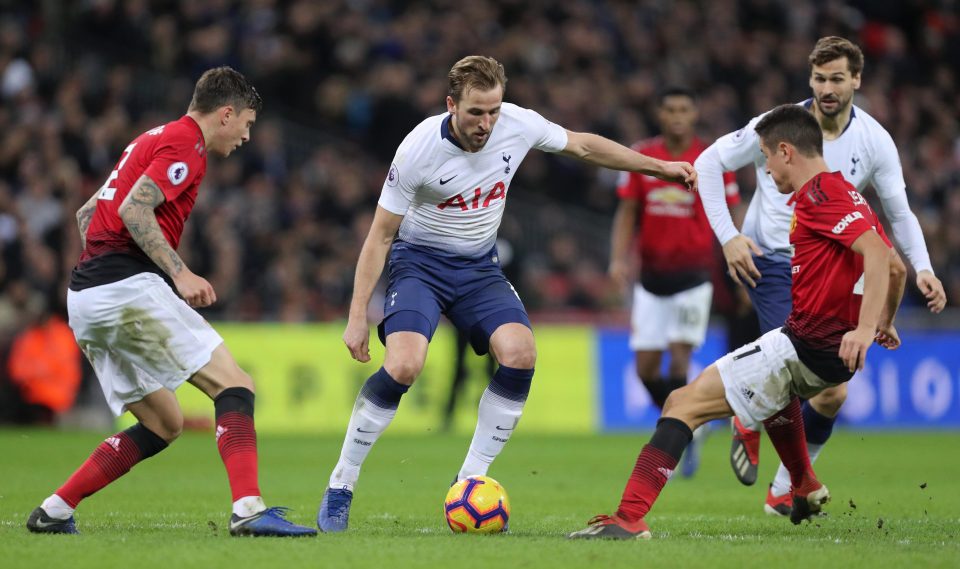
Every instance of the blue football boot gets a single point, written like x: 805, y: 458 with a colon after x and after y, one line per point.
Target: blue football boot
x: 271, y: 522
x: 40, y: 522
x: 334, y: 510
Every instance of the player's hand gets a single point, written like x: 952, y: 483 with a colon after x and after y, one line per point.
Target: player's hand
x: 680, y: 172
x: 932, y: 288
x: 887, y: 337
x: 619, y: 273
x: 357, y: 339
x: 739, y: 253
x: 194, y: 289
x: 854, y: 346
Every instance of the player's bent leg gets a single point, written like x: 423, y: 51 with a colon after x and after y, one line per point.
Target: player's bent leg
x: 502, y: 402
x: 160, y: 423
x: 680, y: 354
x: 232, y: 392
x: 785, y: 429
x: 819, y: 415
x: 686, y: 408
x: 772, y: 300
x: 375, y: 408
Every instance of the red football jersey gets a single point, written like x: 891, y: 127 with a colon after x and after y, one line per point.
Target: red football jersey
x: 827, y: 290
x: 675, y: 239
x: 175, y: 158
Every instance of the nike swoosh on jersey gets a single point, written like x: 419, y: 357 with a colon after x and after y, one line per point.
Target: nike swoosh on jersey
x: 442, y: 181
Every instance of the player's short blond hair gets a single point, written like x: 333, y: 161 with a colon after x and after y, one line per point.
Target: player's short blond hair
x: 831, y: 48
x: 475, y: 72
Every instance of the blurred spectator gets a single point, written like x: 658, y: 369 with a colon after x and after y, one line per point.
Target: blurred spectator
x: 343, y: 80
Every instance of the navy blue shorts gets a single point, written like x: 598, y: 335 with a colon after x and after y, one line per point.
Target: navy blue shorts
x: 471, y: 291
x: 772, y: 298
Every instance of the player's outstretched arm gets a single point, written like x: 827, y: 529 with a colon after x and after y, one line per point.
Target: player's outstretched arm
x: 85, y: 215
x: 887, y: 335
x: 876, y: 282
x: 599, y: 151
x: 891, y: 189
x: 138, y: 216
x: 369, y: 267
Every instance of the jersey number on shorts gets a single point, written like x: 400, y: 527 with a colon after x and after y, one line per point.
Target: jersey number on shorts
x: 755, y: 350
x: 107, y: 191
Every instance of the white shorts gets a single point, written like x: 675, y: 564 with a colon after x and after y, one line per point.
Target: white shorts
x: 139, y: 337
x: 658, y: 321
x: 762, y: 377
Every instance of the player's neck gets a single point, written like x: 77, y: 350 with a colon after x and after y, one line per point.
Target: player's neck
x: 677, y: 145
x: 808, y: 170
x: 203, y: 121
x: 833, y: 127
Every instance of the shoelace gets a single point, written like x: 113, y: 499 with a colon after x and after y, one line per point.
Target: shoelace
x: 277, y: 512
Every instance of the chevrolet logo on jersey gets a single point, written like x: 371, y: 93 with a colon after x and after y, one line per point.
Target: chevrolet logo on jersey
x: 671, y: 195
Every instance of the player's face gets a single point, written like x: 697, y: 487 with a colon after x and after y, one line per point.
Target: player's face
x: 777, y: 166
x: 833, y: 86
x: 235, y: 129
x: 677, y: 115
x: 475, y: 115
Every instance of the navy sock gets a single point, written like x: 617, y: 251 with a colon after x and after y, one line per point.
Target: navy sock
x: 817, y: 427
x: 511, y: 383
x: 383, y: 390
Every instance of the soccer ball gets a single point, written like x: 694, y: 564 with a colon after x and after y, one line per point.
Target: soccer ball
x: 477, y: 504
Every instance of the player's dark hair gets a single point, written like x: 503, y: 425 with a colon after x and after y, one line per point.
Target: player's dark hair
x: 222, y: 86
x: 794, y: 125
x: 831, y: 48
x: 675, y: 91
x: 475, y: 72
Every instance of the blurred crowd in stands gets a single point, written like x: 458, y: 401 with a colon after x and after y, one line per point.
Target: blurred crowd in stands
x: 278, y: 227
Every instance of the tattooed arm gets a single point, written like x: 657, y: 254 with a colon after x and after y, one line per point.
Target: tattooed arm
x: 137, y: 213
x: 84, y: 215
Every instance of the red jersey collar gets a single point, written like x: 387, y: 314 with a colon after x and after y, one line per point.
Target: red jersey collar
x: 814, y: 181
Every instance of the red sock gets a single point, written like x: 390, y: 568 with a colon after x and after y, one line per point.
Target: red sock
x: 786, y: 432
x: 654, y: 467
x: 109, y: 461
x: 237, y: 441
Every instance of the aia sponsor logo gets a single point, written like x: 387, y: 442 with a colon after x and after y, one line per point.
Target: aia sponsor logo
x: 498, y: 192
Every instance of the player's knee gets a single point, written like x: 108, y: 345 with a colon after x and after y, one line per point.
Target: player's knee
x: 829, y: 401
x: 677, y: 402
x: 404, y: 370
x: 236, y: 377
x: 169, y: 427
x: 519, y: 357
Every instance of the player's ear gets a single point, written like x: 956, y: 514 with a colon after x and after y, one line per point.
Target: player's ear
x: 226, y: 113
x: 451, y: 105
x: 785, y: 150
x: 855, y: 81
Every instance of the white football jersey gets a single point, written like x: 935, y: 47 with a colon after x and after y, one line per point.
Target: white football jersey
x: 866, y: 156
x: 451, y: 199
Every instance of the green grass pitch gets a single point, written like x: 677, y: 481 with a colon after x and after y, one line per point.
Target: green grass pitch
x: 896, y: 503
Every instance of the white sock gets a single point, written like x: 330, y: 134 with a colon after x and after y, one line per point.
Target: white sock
x: 781, y: 482
x: 248, y: 506
x: 367, y: 423
x: 497, y: 417
x: 56, y: 508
